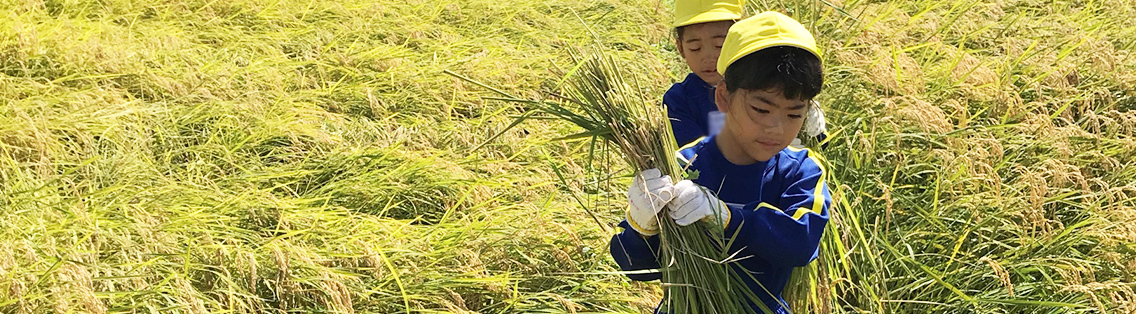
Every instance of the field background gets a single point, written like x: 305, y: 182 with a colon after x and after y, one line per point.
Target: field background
x: 312, y: 156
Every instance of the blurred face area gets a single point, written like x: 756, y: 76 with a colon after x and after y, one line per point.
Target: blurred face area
x: 759, y: 123
x: 700, y: 45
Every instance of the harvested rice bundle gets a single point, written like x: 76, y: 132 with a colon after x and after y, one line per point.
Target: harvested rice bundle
x: 695, y: 268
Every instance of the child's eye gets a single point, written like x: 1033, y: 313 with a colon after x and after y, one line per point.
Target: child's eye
x: 694, y: 49
x: 759, y: 110
x: 796, y: 116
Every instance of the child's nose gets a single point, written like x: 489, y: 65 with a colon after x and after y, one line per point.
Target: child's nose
x: 773, y: 126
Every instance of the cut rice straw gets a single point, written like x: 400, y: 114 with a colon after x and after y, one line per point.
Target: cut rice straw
x: 600, y: 98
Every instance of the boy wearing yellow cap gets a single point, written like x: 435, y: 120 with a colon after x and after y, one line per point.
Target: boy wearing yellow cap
x: 770, y: 197
x: 700, y: 28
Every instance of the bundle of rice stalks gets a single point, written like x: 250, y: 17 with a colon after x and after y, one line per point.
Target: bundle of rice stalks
x: 696, y: 274
x: 600, y: 97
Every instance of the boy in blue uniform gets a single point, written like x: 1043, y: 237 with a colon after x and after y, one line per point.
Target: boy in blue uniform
x: 700, y: 28
x: 771, y: 196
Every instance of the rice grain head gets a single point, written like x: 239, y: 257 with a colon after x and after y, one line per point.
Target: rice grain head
x: 1063, y: 79
x: 1102, y: 56
x: 568, y: 305
x: 1002, y: 274
x: 189, y: 297
x: 18, y: 288
x: 888, y: 27
x: 371, y: 260
x: 565, y: 259
x: 919, y: 113
x: 889, y: 203
x: 74, y: 284
x: 866, y: 145
x: 283, y: 271
x: 1086, y: 290
x: 252, y: 269
x: 1063, y: 174
x: 971, y: 70
x: 7, y: 261
x: 960, y: 113
x: 993, y: 11
x: 1009, y: 103
x: 975, y: 80
x: 458, y: 303
x: 338, y: 295
x: 1122, y: 297
x: 1126, y: 122
x: 895, y: 72
x: 1015, y: 46
x: 1036, y: 124
x: 1034, y: 215
x: 984, y: 152
x: 1102, y: 125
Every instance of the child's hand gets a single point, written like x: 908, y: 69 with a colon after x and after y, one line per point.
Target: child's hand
x: 648, y: 194
x: 693, y: 203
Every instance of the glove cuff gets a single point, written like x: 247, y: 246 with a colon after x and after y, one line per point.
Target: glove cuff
x: 720, y: 209
x: 726, y: 214
x: 640, y: 229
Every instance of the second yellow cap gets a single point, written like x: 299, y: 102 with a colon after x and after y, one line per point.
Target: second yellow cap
x: 701, y: 11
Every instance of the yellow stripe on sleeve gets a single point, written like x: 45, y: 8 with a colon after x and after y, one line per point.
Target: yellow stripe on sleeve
x: 682, y: 161
x: 801, y: 213
x: 692, y: 143
x: 818, y: 192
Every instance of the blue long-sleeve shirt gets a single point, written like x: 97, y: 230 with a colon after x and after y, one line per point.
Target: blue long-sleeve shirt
x: 778, y: 211
x: 691, y: 109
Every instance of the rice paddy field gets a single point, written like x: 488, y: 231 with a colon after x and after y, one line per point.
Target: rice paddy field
x: 335, y: 156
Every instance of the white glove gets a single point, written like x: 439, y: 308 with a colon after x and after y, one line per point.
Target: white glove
x: 648, y: 194
x: 693, y: 203
x: 814, y: 121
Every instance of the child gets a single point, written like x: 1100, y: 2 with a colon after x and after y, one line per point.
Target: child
x: 700, y: 28
x: 772, y: 197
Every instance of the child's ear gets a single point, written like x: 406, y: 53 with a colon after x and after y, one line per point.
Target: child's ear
x: 678, y: 45
x: 722, y: 97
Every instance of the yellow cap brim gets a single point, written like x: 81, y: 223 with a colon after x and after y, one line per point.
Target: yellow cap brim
x: 745, y: 51
x: 707, y: 17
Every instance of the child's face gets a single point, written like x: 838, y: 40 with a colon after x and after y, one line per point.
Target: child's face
x: 700, y: 45
x: 759, y: 123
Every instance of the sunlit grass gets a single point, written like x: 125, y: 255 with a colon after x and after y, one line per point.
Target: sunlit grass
x: 296, y: 156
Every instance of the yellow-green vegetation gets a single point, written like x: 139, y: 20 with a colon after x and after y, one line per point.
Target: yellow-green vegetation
x: 312, y: 156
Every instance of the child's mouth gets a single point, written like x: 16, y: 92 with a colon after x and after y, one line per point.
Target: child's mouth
x: 767, y: 143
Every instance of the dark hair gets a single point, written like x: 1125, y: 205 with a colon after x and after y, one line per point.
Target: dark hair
x: 795, y: 70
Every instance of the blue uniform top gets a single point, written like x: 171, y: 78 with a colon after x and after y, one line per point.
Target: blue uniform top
x: 778, y: 210
x: 690, y: 105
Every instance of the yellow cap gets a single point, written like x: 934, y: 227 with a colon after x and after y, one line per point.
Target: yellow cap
x: 768, y: 29
x: 701, y: 11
